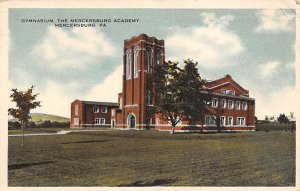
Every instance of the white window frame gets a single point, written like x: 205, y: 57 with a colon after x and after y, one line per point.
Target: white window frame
x: 100, y: 121
x: 223, y: 123
x: 229, y: 104
x: 149, y: 120
x: 238, y: 121
x: 223, y: 103
x: 76, y: 121
x: 128, y: 64
x: 238, y: 105
x: 76, y: 110
x: 113, y: 112
x: 96, y: 109
x: 228, y: 92
x: 214, y: 102
x: 244, y: 106
x: 105, y: 109
x: 228, y: 121
x: 135, y: 62
x: 210, y: 120
x: 113, y: 124
x: 157, y: 121
x: 223, y: 91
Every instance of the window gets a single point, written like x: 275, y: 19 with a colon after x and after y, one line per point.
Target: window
x: 222, y: 120
x: 158, y: 56
x: 76, y: 121
x: 96, y: 109
x: 148, y: 97
x: 244, y: 106
x: 157, y: 120
x: 76, y: 110
x: 100, y: 121
x: 210, y: 120
x: 230, y: 104
x: 238, y: 105
x: 223, y: 103
x: 214, y: 102
x: 240, y: 121
x: 113, y: 112
x: 230, y: 120
x: 135, y: 62
x: 103, y: 109
x: 148, y: 121
x: 128, y: 64
x: 120, y: 106
x: 148, y: 60
x: 228, y: 92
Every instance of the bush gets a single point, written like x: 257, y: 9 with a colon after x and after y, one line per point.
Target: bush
x: 45, y: 124
x: 14, y: 125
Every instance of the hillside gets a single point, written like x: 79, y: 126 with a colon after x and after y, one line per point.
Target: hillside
x: 38, y: 117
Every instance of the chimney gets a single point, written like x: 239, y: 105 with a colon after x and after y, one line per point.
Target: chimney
x: 228, y: 76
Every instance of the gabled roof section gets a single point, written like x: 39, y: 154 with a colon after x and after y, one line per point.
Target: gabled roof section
x: 225, y: 81
x: 98, y: 103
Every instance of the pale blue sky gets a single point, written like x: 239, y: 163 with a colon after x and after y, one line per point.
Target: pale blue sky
x: 256, y: 47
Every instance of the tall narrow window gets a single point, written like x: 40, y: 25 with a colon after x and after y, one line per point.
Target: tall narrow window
x: 149, y: 60
x: 244, y: 106
x: 76, y: 110
x: 238, y: 105
x: 135, y: 62
x: 148, y: 97
x: 214, y: 102
x: 223, y: 103
x: 128, y: 64
x: 222, y: 120
x: 230, y: 120
x: 158, y: 56
x: 120, y: 106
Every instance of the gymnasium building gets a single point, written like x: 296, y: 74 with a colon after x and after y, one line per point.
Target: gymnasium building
x: 230, y: 102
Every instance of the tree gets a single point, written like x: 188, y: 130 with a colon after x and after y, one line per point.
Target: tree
x: 283, y: 118
x: 178, y: 93
x: 25, y: 101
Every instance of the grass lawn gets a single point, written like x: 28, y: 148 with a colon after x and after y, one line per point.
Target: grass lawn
x: 37, y: 130
x: 152, y: 158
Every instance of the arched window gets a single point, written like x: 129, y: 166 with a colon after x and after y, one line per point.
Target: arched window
x: 128, y: 64
x: 158, y: 56
x: 149, y: 60
x: 135, y: 62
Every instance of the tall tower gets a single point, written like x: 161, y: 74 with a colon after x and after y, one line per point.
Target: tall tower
x: 141, y: 54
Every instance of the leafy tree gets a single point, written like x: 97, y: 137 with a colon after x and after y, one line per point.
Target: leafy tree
x: 178, y: 93
x: 283, y: 118
x: 25, y: 101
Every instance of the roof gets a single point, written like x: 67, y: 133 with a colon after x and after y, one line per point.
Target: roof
x: 226, y: 80
x: 99, y: 103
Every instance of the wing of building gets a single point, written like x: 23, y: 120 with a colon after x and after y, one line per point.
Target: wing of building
x: 230, y: 108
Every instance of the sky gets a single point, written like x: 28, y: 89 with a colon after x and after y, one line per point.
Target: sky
x: 255, y: 46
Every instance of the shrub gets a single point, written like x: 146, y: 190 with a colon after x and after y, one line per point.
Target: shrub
x: 14, y: 125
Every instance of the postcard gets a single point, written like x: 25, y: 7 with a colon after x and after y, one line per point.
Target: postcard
x: 162, y: 95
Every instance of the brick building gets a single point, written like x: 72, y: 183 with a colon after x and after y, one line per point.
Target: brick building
x: 91, y: 114
x: 230, y: 102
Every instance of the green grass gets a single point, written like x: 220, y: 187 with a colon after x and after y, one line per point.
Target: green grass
x: 38, y: 117
x: 152, y: 158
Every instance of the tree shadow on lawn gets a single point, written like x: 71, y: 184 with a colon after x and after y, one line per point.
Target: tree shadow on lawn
x: 157, y: 182
x: 24, y: 165
x: 92, y: 141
